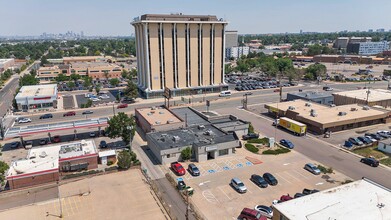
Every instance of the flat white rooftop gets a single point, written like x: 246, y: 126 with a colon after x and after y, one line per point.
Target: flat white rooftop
x: 37, y: 90
x: 374, y: 94
x: 45, y: 159
x: 362, y: 199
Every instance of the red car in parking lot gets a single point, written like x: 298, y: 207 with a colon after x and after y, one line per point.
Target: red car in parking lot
x: 56, y: 139
x: 178, y: 168
x: 69, y: 114
x: 122, y: 106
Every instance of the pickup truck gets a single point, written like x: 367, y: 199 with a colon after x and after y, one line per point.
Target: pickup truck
x: 178, y: 169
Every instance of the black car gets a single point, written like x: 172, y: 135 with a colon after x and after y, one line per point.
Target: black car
x: 15, y: 144
x: 103, y: 144
x: 374, y: 136
x: 87, y: 112
x: 297, y: 195
x: 370, y: 161
x: 128, y: 100
x: 43, y: 141
x: 365, y: 140
x: 258, y: 180
x: 250, y: 136
x: 270, y: 179
x: 193, y: 169
x: 309, y: 191
x: 45, y: 116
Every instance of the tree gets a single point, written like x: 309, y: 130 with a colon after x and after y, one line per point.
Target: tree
x: 250, y: 128
x: 71, y: 84
x: 131, y: 90
x: 106, y: 74
x: 284, y: 65
x: 74, y: 77
x: 28, y: 80
x: 124, y: 74
x: 3, y: 167
x: 44, y: 61
x: 132, y: 74
x: 186, y: 153
x: 315, y: 70
x: 61, y: 77
x: 97, y: 89
x: 124, y: 160
x: 87, y: 81
x: 118, y: 127
x: 228, y: 69
x: 114, y: 82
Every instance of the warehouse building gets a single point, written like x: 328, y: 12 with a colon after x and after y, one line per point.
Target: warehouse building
x: 321, y: 118
x: 372, y: 97
x: 317, y: 97
x: 361, y: 199
x: 47, y: 164
x: 37, y: 97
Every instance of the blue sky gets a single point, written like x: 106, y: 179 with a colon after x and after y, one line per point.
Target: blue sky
x: 112, y: 17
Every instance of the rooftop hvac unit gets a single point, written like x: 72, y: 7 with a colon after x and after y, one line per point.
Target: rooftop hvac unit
x: 314, y: 114
x: 342, y: 113
x: 170, y: 121
x: 208, y: 132
x: 353, y: 109
x: 161, y: 113
x: 201, y: 127
x: 308, y: 104
x: 332, y: 105
x: 291, y: 108
x: 43, y: 154
x: 153, y: 108
x: 157, y: 122
x: 366, y: 108
x: 312, y: 110
x: 175, y: 138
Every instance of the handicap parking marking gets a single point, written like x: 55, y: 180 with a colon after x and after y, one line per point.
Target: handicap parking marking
x: 211, y: 171
x: 226, y: 168
x: 248, y: 163
x: 239, y: 165
x: 179, y: 179
x: 230, y: 164
x: 208, y: 195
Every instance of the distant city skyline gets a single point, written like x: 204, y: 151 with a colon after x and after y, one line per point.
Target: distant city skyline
x: 100, y: 18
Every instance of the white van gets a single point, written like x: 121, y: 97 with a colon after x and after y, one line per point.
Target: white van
x: 225, y: 93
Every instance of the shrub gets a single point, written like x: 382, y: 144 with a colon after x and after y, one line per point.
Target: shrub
x: 186, y: 153
x: 109, y: 163
x: 124, y: 160
x: 251, y: 148
x: 346, y: 182
x: 74, y: 175
x: 325, y: 170
x: 250, y: 128
x: 111, y: 168
x: 280, y: 150
x: 263, y: 141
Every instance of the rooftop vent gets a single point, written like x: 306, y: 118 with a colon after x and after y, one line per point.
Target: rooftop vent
x: 153, y: 108
x: 366, y: 108
x: 176, y: 138
x: 342, y: 113
x: 43, y: 154
x: 201, y: 127
x: 354, y: 109
x: 157, y: 122
x: 170, y: 121
x: 314, y: 114
x: 161, y: 113
x: 208, y: 132
x: 308, y: 104
x: 332, y: 105
x: 291, y: 108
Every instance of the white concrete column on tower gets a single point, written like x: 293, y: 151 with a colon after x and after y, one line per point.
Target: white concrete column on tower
x: 223, y: 61
x: 175, y: 58
x: 212, y: 54
x: 200, y: 78
x: 188, y: 54
x: 146, y: 46
x: 162, y: 77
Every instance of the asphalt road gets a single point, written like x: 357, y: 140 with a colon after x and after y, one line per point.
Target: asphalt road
x: 7, y: 94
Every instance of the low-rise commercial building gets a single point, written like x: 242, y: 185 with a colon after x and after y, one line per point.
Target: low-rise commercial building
x: 47, y: 164
x: 321, y: 118
x: 37, y: 97
x: 6, y: 64
x: 368, y: 48
x: 317, y: 97
x: 157, y: 118
x: 236, y: 52
x: 372, y: 97
x: 361, y: 199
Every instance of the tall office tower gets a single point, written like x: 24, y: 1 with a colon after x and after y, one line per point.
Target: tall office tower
x: 184, y: 53
x: 231, y: 39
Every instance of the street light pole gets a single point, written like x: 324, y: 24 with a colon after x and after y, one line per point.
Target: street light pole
x: 130, y: 128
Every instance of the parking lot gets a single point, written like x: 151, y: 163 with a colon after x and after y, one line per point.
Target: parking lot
x: 217, y: 199
x: 82, y: 99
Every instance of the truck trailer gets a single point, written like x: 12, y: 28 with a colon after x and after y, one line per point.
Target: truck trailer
x: 294, y: 126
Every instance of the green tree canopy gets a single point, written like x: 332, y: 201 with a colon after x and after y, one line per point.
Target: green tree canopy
x: 186, y: 153
x: 124, y: 159
x: 114, y: 82
x: 118, y: 127
x: 71, y: 84
x: 131, y: 90
x: 61, y: 77
x: 75, y: 77
x: 28, y: 80
x: 315, y: 70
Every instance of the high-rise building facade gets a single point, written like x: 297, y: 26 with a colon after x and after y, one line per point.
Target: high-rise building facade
x: 231, y: 39
x: 184, y: 53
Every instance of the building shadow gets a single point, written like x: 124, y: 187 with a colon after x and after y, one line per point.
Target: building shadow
x: 150, y: 155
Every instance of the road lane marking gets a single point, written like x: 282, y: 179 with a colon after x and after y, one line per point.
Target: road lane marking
x: 201, y: 184
x: 279, y: 175
x: 306, y: 177
x: 288, y: 173
x: 285, y: 164
x: 321, y: 183
x: 224, y: 193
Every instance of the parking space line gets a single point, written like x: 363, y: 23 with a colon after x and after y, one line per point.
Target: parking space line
x: 282, y: 178
x: 306, y: 177
x: 288, y: 173
x: 224, y: 193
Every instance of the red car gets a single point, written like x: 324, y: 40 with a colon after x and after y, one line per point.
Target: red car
x: 285, y: 198
x: 178, y: 168
x: 251, y: 214
x: 122, y: 106
x: 56, y: 139
x: 69, y: 114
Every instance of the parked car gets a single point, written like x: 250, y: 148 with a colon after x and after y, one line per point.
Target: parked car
x: 270, y: 179
x: 309, y: 191
x: 193, y: 170
x: 287, y: 143
x: 56, y: 139
x: 370, y: 161
x: 355, y: 141
x: 365, y: 140
x: 105, y: 96
x: 348, y: 144
x: 285, y: 198
x: 265, y: 210
x: 122, y: 105
x: 375, y: 136
x: 248, y: 93
x: 251, y: 214
x: 43, y: 141
x: 92, y: 134
x: 15, y: 144
x: 371, y: 138
x: 103, y: 144
x: 238, y: 185
x: 298, y: 195
x: 24, y: 120
x: 129, y: 100
x: 384, y: 134
x: 45, y: 116
x: 87, y: 112
x: 178, y: 168
x: 327, y: 88
x: 72, y: 113
x: 258, y: 180
x: 312, y: 168
x: 250, y: 136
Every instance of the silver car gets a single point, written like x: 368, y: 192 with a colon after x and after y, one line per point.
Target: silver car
x: 24, y: 120
x: 265, y: 210
x: 312, y: 168
x: 238, y: 185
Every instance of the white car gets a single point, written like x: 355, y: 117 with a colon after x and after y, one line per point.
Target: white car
x: 265, y: 210
x: 104, y: 96
x: 95, y: 99
x: 385, y: 134
x: 24, y: 120
x: 371, y: 138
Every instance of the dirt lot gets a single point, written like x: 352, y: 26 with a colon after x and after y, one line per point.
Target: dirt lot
x: 348, y: 69
x: 121, y: 195
x: 216, y: 199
